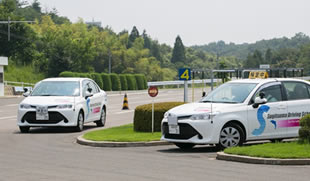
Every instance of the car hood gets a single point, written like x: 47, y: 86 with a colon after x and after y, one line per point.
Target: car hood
x: 47, y: 100
x: 199, y: 108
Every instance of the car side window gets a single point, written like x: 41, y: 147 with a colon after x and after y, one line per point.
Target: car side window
x: 272, y: 93
x: 93, y: 86
x: 296, y: 90
x: 85, y: 86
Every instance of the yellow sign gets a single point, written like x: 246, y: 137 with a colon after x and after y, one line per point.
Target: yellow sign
x: 258, y: 75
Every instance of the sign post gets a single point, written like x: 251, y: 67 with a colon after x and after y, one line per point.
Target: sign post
x: 185, y: 74
x: 153, y: 92
x: 3, y: 62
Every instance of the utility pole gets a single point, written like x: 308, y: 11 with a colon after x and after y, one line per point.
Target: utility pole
x: 9, y: 25
x: 110, y: 61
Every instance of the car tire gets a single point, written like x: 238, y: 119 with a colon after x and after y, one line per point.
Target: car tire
x: 103, y: 116
x: 80, y: 122
x: 24, y: 129
x: 185, y: 146
x: 230, y: 135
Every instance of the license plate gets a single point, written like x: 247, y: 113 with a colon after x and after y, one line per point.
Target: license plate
x: 42, y: 113
x: 172, y: 120
x: 174, y: 129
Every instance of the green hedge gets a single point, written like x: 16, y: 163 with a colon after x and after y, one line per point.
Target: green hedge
x: 124, y: 85
x: 143, y: 115
x: 107, y: 84
x: 116, y: 83
x: 131, y: 82
x: 98, y: 79
x: 112, y: 81
x: 140, y: 81
x: 304, y: 131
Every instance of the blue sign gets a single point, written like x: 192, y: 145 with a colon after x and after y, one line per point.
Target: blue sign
x: 185, y: 74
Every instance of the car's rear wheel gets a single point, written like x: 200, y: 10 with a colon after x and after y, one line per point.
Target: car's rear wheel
x: 101, y: 122
x: 80, y: 122
x: 185, y: 146
x: 24, y: 129
x: 231, y: 135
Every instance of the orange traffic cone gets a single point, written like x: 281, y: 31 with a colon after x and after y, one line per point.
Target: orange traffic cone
x: 125, y: 103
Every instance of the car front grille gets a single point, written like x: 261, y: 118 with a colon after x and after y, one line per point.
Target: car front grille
x: 54, y: 118
x: 186, y: 132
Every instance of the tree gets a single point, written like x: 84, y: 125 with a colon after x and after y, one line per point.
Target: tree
x: 178, y: 53
x: 133, y: 35
x: 147, y: 40
x: 268, y: 56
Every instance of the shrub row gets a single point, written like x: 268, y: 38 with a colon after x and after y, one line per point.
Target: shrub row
x: 113, y: 81
x: 143, y: 115
x: 304, y: 131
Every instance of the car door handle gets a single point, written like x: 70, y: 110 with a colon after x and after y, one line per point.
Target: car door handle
x: 281, y: 107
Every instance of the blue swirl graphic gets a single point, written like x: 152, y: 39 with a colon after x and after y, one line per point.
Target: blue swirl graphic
x: 261, y: 120
x: 274, y: 123
x: 88, y: 109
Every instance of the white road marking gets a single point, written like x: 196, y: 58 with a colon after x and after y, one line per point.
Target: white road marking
x: 11, y: 105
x: 123, y: 112
x: 8, y: 117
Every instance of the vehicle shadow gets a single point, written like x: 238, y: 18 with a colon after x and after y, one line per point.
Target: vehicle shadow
x: 56, y: 130
x: 196, y: 149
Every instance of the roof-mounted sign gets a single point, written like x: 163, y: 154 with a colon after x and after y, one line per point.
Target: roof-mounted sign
x: 258, y: 75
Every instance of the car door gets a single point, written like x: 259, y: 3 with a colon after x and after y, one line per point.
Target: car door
x: 263, y: 121
x: 298, y: 101
x: 96, y: 101
x: 89, y: 101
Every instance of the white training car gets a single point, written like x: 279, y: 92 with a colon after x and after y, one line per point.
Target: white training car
x: 68, y: 102
x: 239, y: 111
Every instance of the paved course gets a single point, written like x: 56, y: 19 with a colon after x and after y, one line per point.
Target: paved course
x: 52, y: 154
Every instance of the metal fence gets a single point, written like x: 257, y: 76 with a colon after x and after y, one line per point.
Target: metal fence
x: 20, y: 84
x: 181, y: 82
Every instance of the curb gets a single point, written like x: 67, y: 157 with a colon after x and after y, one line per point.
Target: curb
x: 80, y: 140
x: 257, y: 160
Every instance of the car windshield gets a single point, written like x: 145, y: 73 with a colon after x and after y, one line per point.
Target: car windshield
x: 57, y: 88
x: 230, y: 93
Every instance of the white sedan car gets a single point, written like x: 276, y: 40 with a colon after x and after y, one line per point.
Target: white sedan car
x: 67, y: 102
x: 239, y: 111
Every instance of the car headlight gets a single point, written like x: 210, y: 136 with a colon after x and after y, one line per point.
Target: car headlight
x: 64, y: 106
x: 200, y: 117
x: 25, y: 106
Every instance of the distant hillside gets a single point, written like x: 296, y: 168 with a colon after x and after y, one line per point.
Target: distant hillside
x: 242, y: 50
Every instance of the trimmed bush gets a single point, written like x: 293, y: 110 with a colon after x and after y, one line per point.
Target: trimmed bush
x: 116, y: 83
x: 124, y: 85
x: 143, y: 115
x: 131, y: 82
x: 66, y: 74
x: 144, y: 82
x: 304, y: 131
x: 106, y: 79
x: 140, y: 81
x: 97, y: 78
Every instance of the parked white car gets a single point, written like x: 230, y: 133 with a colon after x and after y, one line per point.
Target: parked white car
x: 67, y: 102
x: 240, y: 111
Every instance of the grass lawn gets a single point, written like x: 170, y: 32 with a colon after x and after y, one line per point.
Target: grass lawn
x: 121, y: 134
x: 273, y: 150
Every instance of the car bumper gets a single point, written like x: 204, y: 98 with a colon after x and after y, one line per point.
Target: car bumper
x: 65, y: 117
x: 197, y: 132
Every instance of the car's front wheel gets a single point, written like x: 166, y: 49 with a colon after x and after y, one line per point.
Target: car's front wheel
x: 185, y: 146
x: 231, y: 135
x: 24, y: 129
x: 80, y: 122
x: 101, y: 122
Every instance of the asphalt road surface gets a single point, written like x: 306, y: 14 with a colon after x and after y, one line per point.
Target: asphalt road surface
x: 52, y: 154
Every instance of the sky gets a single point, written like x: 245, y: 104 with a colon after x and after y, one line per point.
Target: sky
x: 198, y: 22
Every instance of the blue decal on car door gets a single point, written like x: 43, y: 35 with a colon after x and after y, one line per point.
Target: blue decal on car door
x: 261, y: 120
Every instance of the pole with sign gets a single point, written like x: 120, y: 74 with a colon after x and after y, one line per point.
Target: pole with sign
x: 185, y: 74
x: 153, y: 92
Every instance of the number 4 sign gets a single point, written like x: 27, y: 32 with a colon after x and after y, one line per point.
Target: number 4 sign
x: 185, y: 74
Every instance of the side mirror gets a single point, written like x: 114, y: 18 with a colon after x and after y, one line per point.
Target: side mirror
x: 258, y: 101
x: 26, y: 92
x: 203, y: 93
x: 88, y: 94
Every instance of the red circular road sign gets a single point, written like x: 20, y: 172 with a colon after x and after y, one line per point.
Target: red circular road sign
x: 153, y: 91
